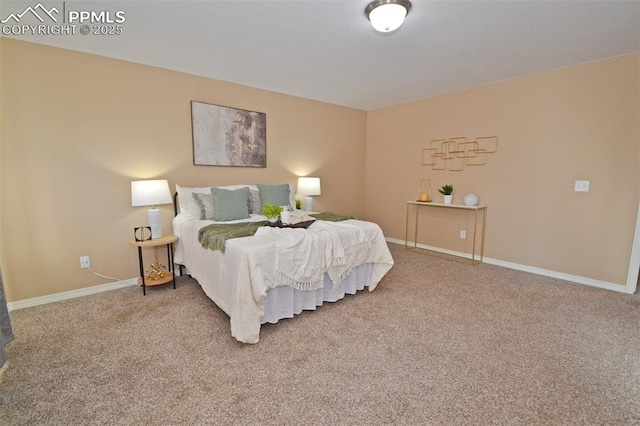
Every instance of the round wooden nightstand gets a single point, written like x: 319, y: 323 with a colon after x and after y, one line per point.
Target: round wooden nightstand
x: 169, y: 276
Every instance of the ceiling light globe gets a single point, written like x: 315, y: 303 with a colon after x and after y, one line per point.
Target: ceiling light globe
x: 387, y: 18
x: 387, y: 15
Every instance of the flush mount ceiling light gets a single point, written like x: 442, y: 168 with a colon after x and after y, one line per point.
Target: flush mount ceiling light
x: 387, y: 15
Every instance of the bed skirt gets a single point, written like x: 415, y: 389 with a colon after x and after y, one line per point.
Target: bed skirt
x: 285, y: 302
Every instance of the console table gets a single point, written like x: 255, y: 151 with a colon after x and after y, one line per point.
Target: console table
x: 474, y: 209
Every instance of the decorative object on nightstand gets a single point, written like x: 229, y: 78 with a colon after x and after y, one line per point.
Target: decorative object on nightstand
x: 446, y: 191
x: 151, y: 193
x: 308, y: 186
x: 470, y: 199
x: 156, y: 273
x: 142, y: 233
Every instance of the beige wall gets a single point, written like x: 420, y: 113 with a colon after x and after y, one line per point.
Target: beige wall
x: 578, y: 123
x: 77, y: 128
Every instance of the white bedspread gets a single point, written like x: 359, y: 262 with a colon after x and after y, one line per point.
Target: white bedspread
x: 238, y: 281
x: 303, y: 256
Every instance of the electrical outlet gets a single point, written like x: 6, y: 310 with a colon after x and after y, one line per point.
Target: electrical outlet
x: 581, y: 186
x: 85, y: 262
x: 463, y: 234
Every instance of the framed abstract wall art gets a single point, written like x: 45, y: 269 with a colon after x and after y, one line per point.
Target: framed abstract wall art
x: 224, y: 136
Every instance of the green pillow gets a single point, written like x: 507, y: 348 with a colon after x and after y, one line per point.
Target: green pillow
x: 230, y: 204
x: 278, y: 195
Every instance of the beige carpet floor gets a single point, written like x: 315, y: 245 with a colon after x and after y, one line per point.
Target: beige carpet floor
x: 439, y: 342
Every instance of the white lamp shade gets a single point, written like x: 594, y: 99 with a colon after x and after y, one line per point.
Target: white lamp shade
x: 308, y: 186
x: 150, y: 193
x: 387, y: 17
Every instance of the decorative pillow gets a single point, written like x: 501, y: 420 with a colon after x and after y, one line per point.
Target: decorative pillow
x: 188, y: 204
x: 186, y: 201
x: 277, y: 195
x: 255, y: 207
x: 205, y: 202
x: 292, y: 196
x: 230, y: 204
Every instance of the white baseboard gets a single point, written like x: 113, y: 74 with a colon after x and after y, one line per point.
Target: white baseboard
x: 532, y: 269
x: 35, y: 301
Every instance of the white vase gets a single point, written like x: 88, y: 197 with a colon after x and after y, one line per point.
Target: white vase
x: 285, y: 217
x: 448, y: 199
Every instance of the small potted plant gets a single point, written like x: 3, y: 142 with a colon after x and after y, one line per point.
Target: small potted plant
x: 446, y: 190
x: 298, y: 204
x: 271, y: 212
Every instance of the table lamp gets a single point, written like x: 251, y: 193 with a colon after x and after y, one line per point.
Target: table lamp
x: 308, y: 186
x: 151, y: 193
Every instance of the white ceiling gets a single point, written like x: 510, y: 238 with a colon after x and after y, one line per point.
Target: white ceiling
x: 326, y: 50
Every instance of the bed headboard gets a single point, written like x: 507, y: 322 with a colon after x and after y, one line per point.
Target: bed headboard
x: 175, y: 204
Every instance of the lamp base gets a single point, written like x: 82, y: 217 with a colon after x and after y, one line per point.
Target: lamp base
x: 155, y: 223
x: 308, y: 204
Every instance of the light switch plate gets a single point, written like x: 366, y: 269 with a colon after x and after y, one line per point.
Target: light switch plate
x: 581, y: 186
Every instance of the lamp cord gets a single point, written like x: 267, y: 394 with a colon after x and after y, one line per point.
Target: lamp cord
x: 104, y: 276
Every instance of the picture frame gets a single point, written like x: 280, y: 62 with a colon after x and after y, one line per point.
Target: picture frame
x: 142, y: 233
x: 225, y: 136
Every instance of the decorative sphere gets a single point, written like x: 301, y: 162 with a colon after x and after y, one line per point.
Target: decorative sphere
x: 470, y: 199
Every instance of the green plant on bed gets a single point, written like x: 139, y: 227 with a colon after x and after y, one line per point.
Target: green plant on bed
x: 271, y: 211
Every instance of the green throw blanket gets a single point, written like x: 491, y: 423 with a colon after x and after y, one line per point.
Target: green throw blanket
x: 214, y: 236
x: 330, y: 217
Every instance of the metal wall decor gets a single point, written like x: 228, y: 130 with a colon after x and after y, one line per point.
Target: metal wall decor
x: 455, y: 153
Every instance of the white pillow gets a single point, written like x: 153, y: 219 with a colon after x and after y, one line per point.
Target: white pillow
x: 186, y: 203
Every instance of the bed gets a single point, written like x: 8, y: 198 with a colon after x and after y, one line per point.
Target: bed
x: 277, y: 272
